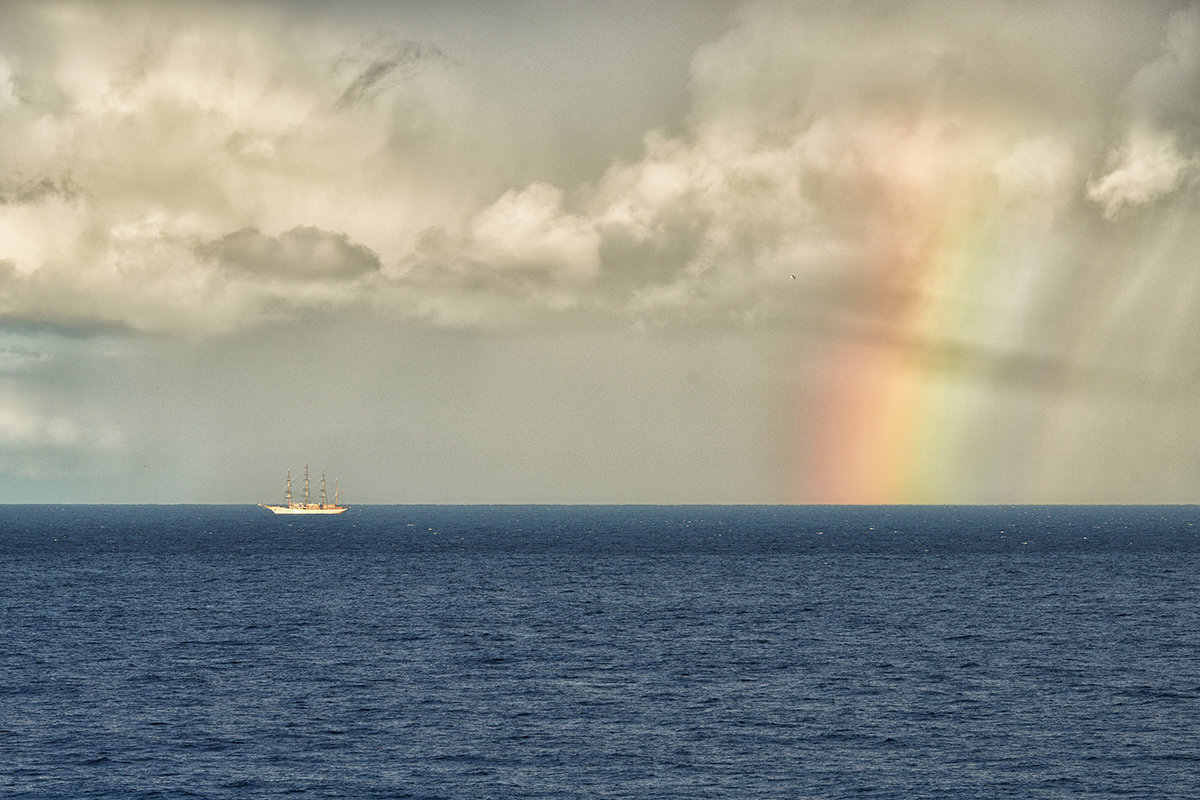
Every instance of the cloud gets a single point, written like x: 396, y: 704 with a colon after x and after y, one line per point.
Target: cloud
x: 523, y: 249
x: 1164, y: 91
x: 8, y: 94
x: 35, y: 189
x: 529, y: 231
x: 1160, y: 102
x: 304, y: 253
x: 152, y: 155
x: 1042, y: 166
x: 19, y: 359
x: 18, y: 427
x: 21, y: 427
x: 1147, y: 167
x: 378, y: 65
x: 895, y: 161
x: 917, y: 189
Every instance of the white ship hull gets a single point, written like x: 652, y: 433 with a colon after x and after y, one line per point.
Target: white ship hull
x: 306, y: 509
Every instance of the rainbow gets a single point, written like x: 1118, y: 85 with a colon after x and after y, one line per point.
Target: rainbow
x: 895, y: 417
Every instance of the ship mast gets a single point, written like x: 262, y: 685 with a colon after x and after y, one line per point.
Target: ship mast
x: 290, y: 506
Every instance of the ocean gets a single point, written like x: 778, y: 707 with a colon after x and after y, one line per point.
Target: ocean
x: 600, y: 651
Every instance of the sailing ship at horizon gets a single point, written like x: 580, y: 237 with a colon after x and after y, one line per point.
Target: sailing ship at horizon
x: 308, y: 507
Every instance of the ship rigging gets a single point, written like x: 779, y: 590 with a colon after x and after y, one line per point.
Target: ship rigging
x: 308, y: 506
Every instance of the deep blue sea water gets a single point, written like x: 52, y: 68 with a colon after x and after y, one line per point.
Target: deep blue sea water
x: 615, y: 652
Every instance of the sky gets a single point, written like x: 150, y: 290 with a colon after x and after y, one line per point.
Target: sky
x: 538, y: 252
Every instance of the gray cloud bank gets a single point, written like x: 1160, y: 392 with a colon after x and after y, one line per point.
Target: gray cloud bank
x: 984, y: 212
x: 304, y: 252
x: 1007, y: 168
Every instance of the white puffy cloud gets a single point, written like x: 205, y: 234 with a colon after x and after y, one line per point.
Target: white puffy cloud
x: 1147, y: 167
x: 169, y: 170
x: 523, y: 250
x: 1163, y: 115
x: 528, y: 230
x: 910, y: 169
x: 226, y: 153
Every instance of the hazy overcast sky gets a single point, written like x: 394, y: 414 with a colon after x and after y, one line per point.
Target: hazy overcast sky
x: 676, y: 251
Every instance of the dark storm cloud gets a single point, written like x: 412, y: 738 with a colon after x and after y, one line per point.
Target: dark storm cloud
x: 374, y: 67
x: 305, y: 252
x: 33, y: 190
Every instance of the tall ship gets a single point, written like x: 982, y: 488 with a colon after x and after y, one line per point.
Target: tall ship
x: 308, y: 506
